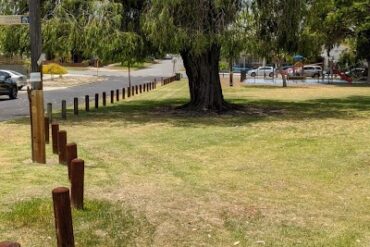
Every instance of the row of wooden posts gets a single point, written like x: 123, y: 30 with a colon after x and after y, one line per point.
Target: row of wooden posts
x: 115, y: 95
x: 64, y: 197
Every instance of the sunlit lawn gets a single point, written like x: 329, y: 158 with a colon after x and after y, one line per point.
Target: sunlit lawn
x: 292, y: 169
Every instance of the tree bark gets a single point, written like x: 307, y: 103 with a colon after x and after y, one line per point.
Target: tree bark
x: 204, y: 80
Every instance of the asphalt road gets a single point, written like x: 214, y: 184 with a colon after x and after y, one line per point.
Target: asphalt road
x: 112, y: 79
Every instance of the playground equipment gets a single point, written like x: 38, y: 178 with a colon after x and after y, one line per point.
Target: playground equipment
x: 343, y: 76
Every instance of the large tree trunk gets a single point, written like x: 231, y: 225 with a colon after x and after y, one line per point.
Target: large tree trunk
x: 204, y: 80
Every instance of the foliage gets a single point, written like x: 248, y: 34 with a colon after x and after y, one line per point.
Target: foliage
x: 279, y: 24
x: 11, y: 7
x: 240, y: 35
x: 192, y: 25
x: 54, y: 69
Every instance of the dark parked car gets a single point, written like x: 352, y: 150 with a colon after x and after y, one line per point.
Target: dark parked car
x: 8, y: 87
x: 16, y: 77
x: 239, y: 69
x: 359, y: 73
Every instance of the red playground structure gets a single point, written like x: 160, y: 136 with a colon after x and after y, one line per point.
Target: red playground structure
x: 343, y: 76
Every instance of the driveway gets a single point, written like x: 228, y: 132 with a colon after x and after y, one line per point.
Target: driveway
x: 112, y: 79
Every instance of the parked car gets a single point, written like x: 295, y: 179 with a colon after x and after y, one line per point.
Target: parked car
x: 18, y: 78
x: 239, y: 69
x: 285, y: 70
x: 8, y: 87
x: 168, y: 56
x: 357, y: 72
x: 262, y: 71
x: 313, y: 71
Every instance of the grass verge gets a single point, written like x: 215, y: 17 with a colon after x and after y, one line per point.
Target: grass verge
x: 292, y: 170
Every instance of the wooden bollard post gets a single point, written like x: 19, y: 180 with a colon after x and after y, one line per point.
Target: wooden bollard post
x: 132, y: 91
x: 123, y: 93
x: 64, y: 109
x: 87, y: 103
x: 47, y: 130
x: 111, y: 96
x: 96, y: 101
x: 104, y: 98
x: 117, y: 95
x: 136, y: 89
x: 49, y: 110
x: 144, y: 87
x: 71, y: 154
x: 77, y: 183
x: 128, y: 92
x: 147, y: 87
x: 140, y: 89
x: 62, y: 143
x: 63, y: 217
x: 155, y: 83
x: 75, y: 106
x: 54, y: 137
x: 9, y: 244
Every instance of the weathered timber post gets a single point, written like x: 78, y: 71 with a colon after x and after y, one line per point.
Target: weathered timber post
x: 132, y: 91
x: 37, y: 114
x: 77, y: 183
x: 117, y: 95
x: 123, y: 93
x: 54, y: 137
x: 64, y: 109
x: 9, y: 244
x: 128, y: 92
x: 140, y: 89
x: 47, y: 130
x: 63, y: 217
x: 136, y: 89
x: 111, y: 96
x: 75, y: 106
x: 49, y: 110
x: 87, y: 103
x: 104, y: 99
x: 144, y: 87
x: 71, y: 154
x: 62, y: 143
x: 96, y: 101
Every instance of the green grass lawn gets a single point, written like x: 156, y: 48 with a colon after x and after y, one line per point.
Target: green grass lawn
x: 291, y: 170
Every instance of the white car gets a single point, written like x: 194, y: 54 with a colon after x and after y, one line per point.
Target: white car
x: 262, y: 71
x: 18, y: 78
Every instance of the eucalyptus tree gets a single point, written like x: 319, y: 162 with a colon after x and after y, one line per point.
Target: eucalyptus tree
x: 239, y: 37
x: 195, y: 29
x: 279, y: 25
x: 11, y: 7
x: 330, y: 24
x: 359, y: 11
x: 14, y: 39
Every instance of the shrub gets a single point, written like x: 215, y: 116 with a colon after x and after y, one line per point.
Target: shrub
x: 54, y: 69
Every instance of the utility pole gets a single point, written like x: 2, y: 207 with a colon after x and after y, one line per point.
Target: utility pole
x: 35, y: 95
x: 35, y: 34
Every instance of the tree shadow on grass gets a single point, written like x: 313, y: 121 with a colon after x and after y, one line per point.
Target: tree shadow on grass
x: 164, y: 111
